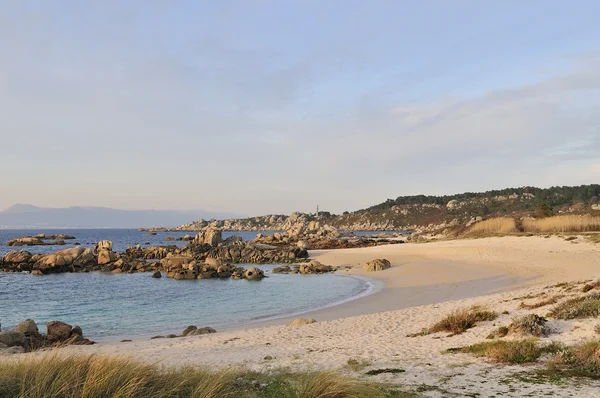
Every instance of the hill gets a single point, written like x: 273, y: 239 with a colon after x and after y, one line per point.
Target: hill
x: 29, y: 216
x: 430, y: 213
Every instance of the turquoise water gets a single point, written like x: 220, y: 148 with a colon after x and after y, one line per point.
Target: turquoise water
x: 112, y: 306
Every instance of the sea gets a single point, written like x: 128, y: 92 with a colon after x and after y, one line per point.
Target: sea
x: 119, y: 306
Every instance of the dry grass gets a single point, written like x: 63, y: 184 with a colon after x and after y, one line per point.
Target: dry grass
x: 542, y: 303
x: 462, y: 319
x: 591, y: 286
x: 579, y: 307
x: 500, y: 225
x: 567, y: 223
x: 510, y: 352
x: 582, y: 359
x: 102, y: 377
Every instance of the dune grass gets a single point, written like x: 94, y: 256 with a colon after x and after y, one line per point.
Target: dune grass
x: 579, y: 360
x: 541, y: 303
x: 566, y: 223
x: 499, y: 225
x: 53, y: 376
x: 578, y: 307
x: 460, y: 320
x: 511, y: 351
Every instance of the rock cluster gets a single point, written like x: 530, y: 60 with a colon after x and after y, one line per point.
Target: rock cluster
x: 40, y: 240
x: 26, y: 337
x: 313, y: 267
x: 377, y: 265
x: 182, y: 267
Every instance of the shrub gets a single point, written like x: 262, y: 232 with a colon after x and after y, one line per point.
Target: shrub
x: 460, y: 320
x: 530, y: 324
x: 542, y: 303
x: 579, y: 307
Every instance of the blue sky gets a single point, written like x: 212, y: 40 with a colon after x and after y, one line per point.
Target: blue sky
x: 263, y: 106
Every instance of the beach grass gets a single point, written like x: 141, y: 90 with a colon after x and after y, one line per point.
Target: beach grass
x: 564, y: 223
x: 582, y: 359
x: 499, y: 225
x: 511, y: 351
x: 460, y: 320
x: 52, y: 375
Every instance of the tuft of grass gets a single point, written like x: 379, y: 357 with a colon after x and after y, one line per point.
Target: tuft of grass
x: 542, y: 303
x: 511, y: 351
x: 565, y: 223
x: 582, y: 359
x: 460, y: 320
x: 332, y: 385
x: 579, y: 307
x: 499, y: 225
x: 112, y: 377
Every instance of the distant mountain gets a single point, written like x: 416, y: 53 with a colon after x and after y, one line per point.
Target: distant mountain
x: 29, y: 216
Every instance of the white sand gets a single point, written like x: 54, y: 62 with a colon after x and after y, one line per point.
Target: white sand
x: 418, y: 289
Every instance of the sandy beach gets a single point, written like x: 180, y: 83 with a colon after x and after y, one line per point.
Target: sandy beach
x: 425, y: 282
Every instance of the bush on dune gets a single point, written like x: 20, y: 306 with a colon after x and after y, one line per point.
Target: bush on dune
x: 460, y: 320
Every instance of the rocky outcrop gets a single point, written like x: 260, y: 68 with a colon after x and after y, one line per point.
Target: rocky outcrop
x: 26, y: 337
x: 377, y: 265
x: 314, y: 267
x: 40, y: 240
x: 211, y: 237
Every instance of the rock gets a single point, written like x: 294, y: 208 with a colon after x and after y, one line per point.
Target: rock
x: 315, y: 267
x: 282, y: 270
x: 103, y: 245
x: 213, y: 262
x: 58, y: 331
x: 106, y: 256
x: 157, y: 274
x: 12, y: 338
x: 302, y: 245
x: 28, y: 326
x: 254, y: 274
x: 377, y: 265
x: 200, y: 331
x: 17, y: 257
x: 169, y: 238
x: 301, y: 321
x: 189, y: 329
x: 77, y: 330
x: 37, y: 272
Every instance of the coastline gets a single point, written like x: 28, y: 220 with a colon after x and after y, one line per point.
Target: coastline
x: 425, y: 283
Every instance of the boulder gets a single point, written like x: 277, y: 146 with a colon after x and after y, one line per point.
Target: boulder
x: 106, y: 256
x: 213, y: 262
x: 302, y: 245
x: 282, y: 270
x: 254, y: 274
x: 377, y: 265
x: 13, y: 338
x: 301, y: 321
x: 157, y: 274
x: 17, y: 257
x: 200, y: 331
x: 103, y: 245
x: 58, y: 331
x: 189, y: 329
x: 28, y: 326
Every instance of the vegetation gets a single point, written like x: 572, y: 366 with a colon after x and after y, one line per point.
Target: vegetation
x: 568, y: 223
x: 579, y: 307
x: 103, y: 377
x: 554, y: 196
x: 581, y: 360
x: 460, y: 320
x: 357, y: 365
x: 530, y: 325
x: 510, y: 351
x: 499, y: 225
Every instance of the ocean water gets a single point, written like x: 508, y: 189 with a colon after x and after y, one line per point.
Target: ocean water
x: 115, y: 306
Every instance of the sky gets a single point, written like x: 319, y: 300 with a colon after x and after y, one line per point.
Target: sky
x: 260, y: 106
